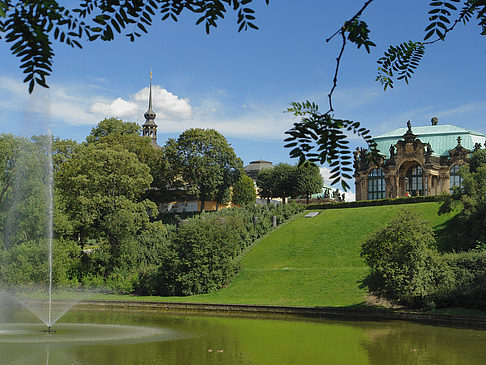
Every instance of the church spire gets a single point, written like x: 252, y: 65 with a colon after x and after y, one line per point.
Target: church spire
x: 149, y: 128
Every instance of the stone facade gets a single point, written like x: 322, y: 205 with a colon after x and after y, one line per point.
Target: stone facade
x: 411, y: 167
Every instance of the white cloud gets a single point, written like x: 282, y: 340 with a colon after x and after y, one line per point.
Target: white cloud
x: 462, y: 109
x: 117, y: 108
x: 165, y: 104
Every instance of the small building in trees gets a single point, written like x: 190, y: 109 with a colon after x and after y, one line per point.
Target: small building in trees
x: 255, y: 167
x: 418, y: 161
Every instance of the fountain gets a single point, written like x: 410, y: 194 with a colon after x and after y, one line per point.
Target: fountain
x: 30, y: 298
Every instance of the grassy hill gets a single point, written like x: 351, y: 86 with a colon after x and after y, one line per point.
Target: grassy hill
x: 312, y: 261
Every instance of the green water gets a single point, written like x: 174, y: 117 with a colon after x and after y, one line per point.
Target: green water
x: 129, y: 337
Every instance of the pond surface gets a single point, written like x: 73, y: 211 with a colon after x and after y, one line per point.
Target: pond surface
x: 134, y: 337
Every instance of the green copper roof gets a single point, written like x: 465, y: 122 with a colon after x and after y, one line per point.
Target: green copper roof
x: 442, y: 138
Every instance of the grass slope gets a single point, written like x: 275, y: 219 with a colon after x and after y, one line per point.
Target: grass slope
x: 311, y: 261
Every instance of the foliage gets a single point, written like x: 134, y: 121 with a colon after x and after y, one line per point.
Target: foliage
x: 285, y: 180
x: 62, y: 151
x: 308, y: 180
x: 470, y: 279
x: 377, y: 202
x: 264, y: 183
x: 206, y: 254
x: 26, y: 264
x: 24, y: 211
x: 8, y: 146
x: 202, y: 254
x: 403, y: 60
x: 30, y: 26
x: 404, y: 264
x: 110, y: 126
x: 472, y: 198
x: 244, y: 191
x: 321, y: 138
x: 477, y: 159
x: 206, y: 161
x: 99, y: 191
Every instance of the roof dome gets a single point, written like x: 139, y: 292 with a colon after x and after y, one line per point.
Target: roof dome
x: 442, y: 138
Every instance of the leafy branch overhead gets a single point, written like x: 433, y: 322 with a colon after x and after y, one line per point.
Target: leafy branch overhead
x: 30, y: 26
x: 402, y: 60
x: 320, y: 137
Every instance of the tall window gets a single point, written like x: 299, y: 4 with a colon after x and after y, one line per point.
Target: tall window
x: 455, y: 179
x: 415, y: 184
x: 376, y: 184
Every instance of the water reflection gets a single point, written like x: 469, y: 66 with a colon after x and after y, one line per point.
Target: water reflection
x: 225, y: 340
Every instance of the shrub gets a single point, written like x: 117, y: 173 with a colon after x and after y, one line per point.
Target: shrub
x: 404, y: 263
x: 469, y: 270
x: 203, y: 252
x: 207, y: 250
x: 244, y: 192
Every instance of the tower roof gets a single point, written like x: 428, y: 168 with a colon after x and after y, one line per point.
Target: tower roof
x: 150, y: 114
x: 442, y: 138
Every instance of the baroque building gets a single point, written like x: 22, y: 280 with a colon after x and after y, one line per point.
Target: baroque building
x: 418, y: 161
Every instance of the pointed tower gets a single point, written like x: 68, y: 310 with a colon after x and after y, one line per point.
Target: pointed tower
x: 149, y: 128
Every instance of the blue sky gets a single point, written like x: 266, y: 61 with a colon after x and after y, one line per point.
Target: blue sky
x: 240, y: 83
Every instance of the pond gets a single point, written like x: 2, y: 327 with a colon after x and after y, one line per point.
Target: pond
x: 155, y: 337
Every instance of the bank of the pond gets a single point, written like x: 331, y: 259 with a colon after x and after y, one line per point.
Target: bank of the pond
x: 341, y: 313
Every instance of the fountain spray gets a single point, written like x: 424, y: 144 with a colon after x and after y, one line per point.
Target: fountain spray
x: 50, y: 222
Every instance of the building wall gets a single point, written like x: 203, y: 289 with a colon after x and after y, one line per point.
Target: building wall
x: 407, y: 153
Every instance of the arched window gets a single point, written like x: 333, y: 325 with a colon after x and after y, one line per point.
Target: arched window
x: 376, y: 184
x: 415, y: 181
x: 455, y: 179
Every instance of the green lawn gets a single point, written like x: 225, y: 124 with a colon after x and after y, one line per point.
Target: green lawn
x: 310, y: 261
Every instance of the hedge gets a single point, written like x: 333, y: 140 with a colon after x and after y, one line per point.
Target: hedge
x: 378, y: 202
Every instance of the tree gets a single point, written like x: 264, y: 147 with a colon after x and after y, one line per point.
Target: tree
x: 278, y: 182
x: 477, y: 159
x: 30, y: 26
x: 112, y: 126
x: 404, y: 263
x: 244, y: 191
x: 206, y: 161
x: 283, y: 176
x: 8, y: 145
x: 308, y: 180
x: 265, y: 184
x: 100, y: 188
x: 471, y: 197
x: 24, y: 177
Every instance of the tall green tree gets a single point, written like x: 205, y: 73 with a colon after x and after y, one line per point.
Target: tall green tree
x: 265, y: 184
x: 206, y: 161
x: 100, y: 190
x: 283, y: 176
x: 112, y: 126
x: 244, y: 191
x: 308, y: 180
